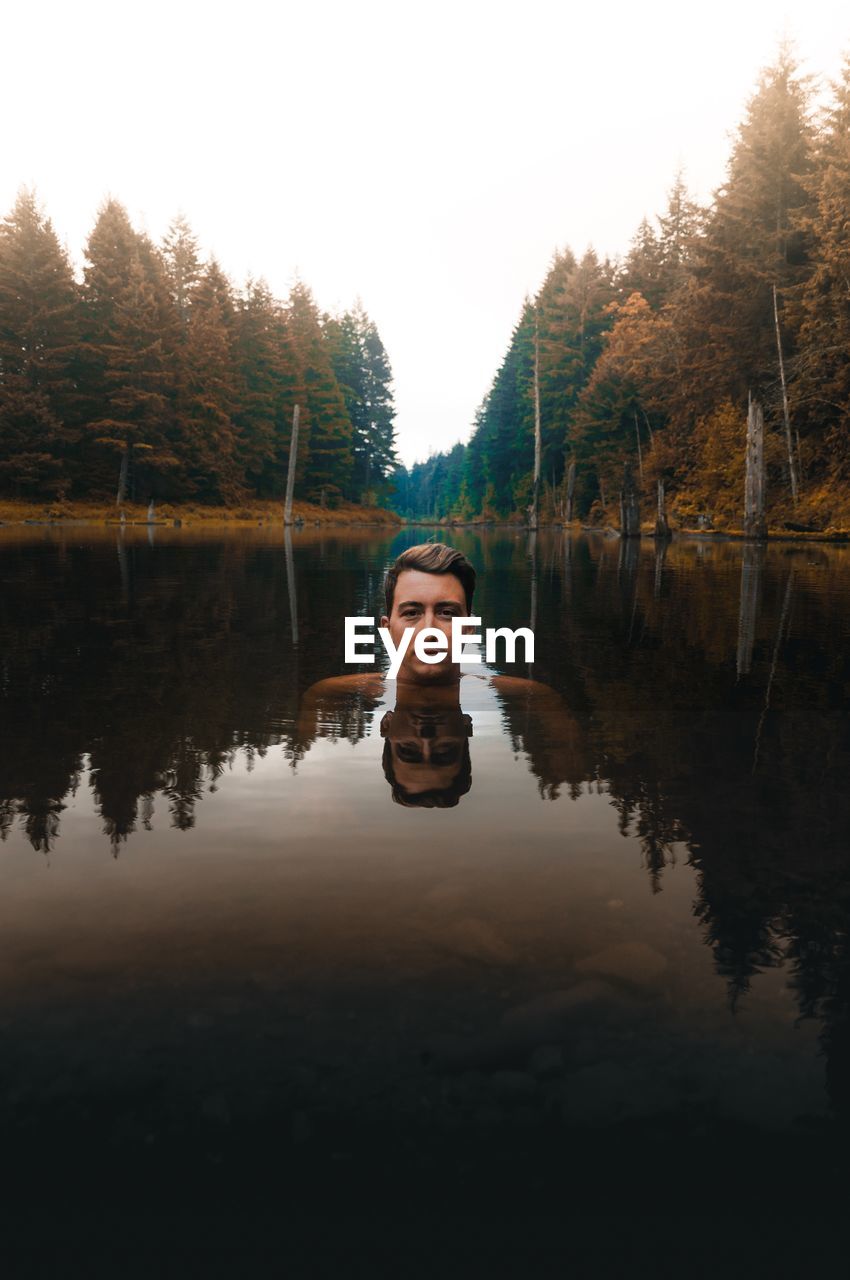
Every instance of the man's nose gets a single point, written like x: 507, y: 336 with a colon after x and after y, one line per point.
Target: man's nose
x: 433, y: 619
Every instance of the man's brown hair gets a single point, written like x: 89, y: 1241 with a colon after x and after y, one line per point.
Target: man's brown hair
x: 431, y: 557
x: 435, y: 797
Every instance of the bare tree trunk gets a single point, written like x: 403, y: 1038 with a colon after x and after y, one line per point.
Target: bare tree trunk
x: 662, y: 525
x: 535, y: 499
x: 571, y: 490
x: 290, y: 473
x: 755, y: 524
x: 629, y: 505
x: 640, y: 455
x: 792, y: 466
x: 649, y: 428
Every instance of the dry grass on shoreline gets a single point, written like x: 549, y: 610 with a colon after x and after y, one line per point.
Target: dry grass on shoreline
x: 347, y: 513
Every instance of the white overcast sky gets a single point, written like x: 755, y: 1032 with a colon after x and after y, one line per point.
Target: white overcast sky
x: 429, y: 158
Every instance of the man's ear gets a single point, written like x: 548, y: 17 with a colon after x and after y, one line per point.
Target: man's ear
x: 386, y: 722
x: 385, y: 622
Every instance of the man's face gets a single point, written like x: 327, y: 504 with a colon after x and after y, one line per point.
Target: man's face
x: 426, y: 600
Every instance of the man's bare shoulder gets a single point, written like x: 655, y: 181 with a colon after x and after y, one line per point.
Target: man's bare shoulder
x: 367, y: 682
x: 518, y: 684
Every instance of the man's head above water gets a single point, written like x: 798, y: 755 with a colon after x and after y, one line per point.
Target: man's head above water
x: 426, y: 587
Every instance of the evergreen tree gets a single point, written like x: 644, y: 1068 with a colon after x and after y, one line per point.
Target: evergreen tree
x: 752, y: 242
x: 643, y: 270
x: 680, y: 227
x: 262, y: 423
x: 574, y: 311
x: 325, y: 459
x: 39, y: 320
x: 207, y: 394
x: 182, y: 264
x: 128, y: 376
x: 363, y: 372
x: 822, y: 382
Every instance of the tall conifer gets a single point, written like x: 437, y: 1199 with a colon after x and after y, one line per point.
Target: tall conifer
x: 39, y: 325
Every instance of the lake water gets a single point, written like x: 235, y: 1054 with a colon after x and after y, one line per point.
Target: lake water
x: 228, y: 952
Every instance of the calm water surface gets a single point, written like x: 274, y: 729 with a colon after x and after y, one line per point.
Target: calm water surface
x: 228, y: 946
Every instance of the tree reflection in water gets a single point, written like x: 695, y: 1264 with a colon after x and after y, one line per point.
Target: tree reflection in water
x: 706, y: 685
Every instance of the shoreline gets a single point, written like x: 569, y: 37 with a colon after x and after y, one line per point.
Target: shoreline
x: 14, y: 513
x: 647, y: 533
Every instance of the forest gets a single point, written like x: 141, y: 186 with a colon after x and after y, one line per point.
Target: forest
x: 154, y: 378
x: 648, y: 362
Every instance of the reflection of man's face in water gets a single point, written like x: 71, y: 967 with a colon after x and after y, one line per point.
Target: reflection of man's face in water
x: 426, y: 752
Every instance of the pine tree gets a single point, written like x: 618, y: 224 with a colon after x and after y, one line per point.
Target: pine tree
x: 679, y: 229
x: 182, y: 264
x: 822, y: 368
x: 753, y: 242
x: 574, y: 315
x: 363, y: 372
x: 261, y: 415
x: 207, y: 393
x: 39, y: 320
x: 325, y: 459
x: 643, y: 269
x: 380, y: 438
x: 129, y: 376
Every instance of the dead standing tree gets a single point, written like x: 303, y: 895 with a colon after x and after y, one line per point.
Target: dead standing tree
x: 662, y: 524
x: 755, y: 524
x: 786, y: 413
x: 290, y: 474
x: 629, y: 505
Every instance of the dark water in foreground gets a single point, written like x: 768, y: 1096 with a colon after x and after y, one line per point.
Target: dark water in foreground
x: 614, y: 971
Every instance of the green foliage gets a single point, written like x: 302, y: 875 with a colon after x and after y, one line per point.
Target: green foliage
x: 39, y: 324
x: 650, y: 362
x: 157, y: 377
x: 363, y: 372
